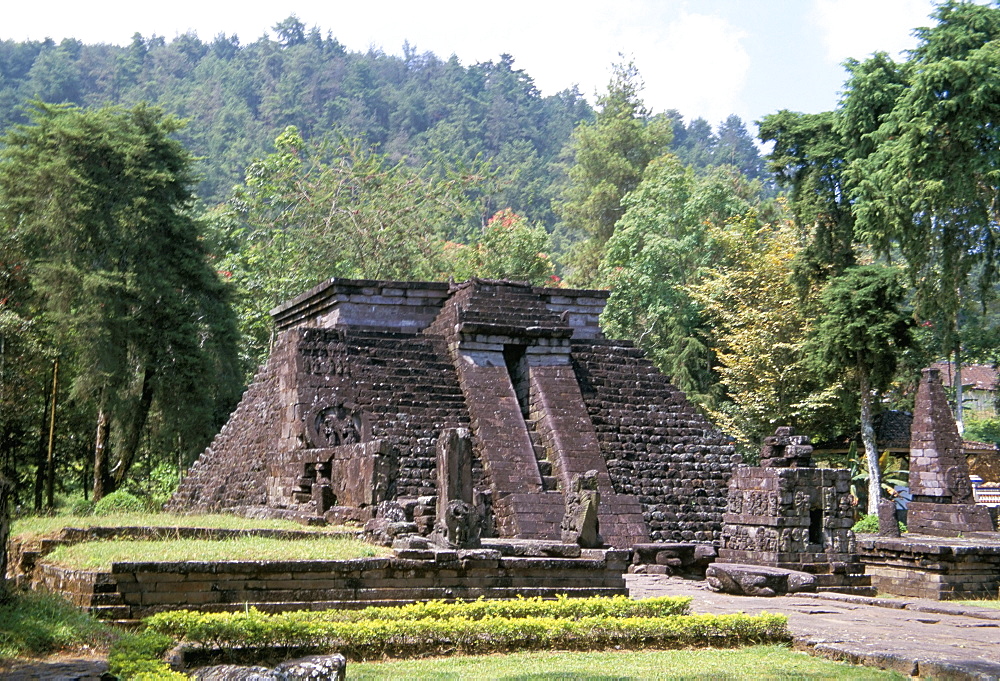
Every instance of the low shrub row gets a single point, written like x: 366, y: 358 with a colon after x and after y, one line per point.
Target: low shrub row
x: 197, y: 626
x: 368, y: 639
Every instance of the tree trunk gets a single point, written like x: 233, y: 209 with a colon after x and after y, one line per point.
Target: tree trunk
x: 5, y: 491
x: 959, y: 396
x: 50, y: 464
x: 103, y: 483
x: 871, y: 451
x: 126, y: 453
x: 40, y: 458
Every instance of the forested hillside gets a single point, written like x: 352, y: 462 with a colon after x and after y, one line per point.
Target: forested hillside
x: 239, y: 96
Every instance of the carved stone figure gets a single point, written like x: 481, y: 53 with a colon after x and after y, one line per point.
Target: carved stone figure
x: 581, y: 525
x: 460, y: 526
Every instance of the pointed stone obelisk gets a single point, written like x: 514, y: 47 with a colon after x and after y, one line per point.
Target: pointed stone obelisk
x: 943, y: 503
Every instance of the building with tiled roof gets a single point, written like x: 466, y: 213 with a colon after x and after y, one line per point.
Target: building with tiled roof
x: 979, y: 387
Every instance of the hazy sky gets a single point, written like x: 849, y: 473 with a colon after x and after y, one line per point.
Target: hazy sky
x: 705, y: 58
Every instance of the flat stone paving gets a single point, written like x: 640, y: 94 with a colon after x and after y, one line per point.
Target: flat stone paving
x: 909, y: 635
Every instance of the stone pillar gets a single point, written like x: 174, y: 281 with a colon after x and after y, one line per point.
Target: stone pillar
x: 457, y: 520
x: 943, y: 503
x: 888, y: 526
x: 454, y: 467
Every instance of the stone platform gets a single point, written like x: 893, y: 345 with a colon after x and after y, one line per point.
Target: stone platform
x: 939, y: 568
x: 133, y: 590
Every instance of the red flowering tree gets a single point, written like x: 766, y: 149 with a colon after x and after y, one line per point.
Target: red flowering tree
x: 509, y: 247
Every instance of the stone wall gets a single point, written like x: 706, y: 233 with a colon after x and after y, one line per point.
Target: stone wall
x: 324, y: 388
x: 130, y: 591
x: 657, y: 446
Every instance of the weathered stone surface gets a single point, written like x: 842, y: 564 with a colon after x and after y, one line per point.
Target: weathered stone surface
x: 367, y: 377
x: 459, y: 528
x: 581, y: 524
x: 234, y: 672
x: 793, y: 517
x: 888, y: 526
x: 319, y: 667
x: 943, y: 503
x: 757, y: 580
x: 940, y: 568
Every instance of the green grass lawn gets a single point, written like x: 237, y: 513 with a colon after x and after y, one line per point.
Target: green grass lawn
x: 755, y: 662
x: 33, y: 526
x: 101, y: 554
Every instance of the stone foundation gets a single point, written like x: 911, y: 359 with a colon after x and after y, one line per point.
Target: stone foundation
x: 932, y: 567
x: 131, y: 591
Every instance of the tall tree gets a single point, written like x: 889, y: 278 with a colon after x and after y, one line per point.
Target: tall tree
x: 760, y: 325
x: 657, y: 250
x: 609, y: 158
x: 859, y: 338
x: 100, y: 199
x: 930, y: 183
x: 810, y: 158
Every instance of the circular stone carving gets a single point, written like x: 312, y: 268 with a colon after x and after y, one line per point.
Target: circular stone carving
x: 334, y: 425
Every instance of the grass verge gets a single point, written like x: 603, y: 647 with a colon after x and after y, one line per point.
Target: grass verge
x: 37, y: 526
x: 99, y: 555
x: 753, y: 662
x: 36, y: 624
x: 995, y: 604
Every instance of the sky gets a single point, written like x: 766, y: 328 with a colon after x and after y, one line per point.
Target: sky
x: 705, y: 58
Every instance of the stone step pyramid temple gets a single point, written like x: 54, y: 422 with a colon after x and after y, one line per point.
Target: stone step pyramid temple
x: 366, y: 376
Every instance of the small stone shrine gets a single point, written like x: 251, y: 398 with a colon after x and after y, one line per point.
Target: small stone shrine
x: 786, y: 514
x: 943, y: 502
x: 366, y: 377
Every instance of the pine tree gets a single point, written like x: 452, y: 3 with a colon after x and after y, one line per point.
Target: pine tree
x: 100, y: 200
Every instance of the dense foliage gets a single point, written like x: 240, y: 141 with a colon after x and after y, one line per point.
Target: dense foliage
x: 98, y: 204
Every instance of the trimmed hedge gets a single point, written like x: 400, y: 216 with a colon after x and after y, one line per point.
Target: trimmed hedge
x: 368, y: 639
x: 188, y: 624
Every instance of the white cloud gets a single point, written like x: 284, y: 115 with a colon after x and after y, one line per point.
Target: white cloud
x: 856, y: 28
x: 697, y: 65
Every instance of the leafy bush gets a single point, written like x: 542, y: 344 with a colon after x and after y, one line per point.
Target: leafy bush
x: 156, y: 486
x: 982, y: 430
x: 81, y: 507
x: 139, y: 656
x: 869, y: 525
x: 119, y: 501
